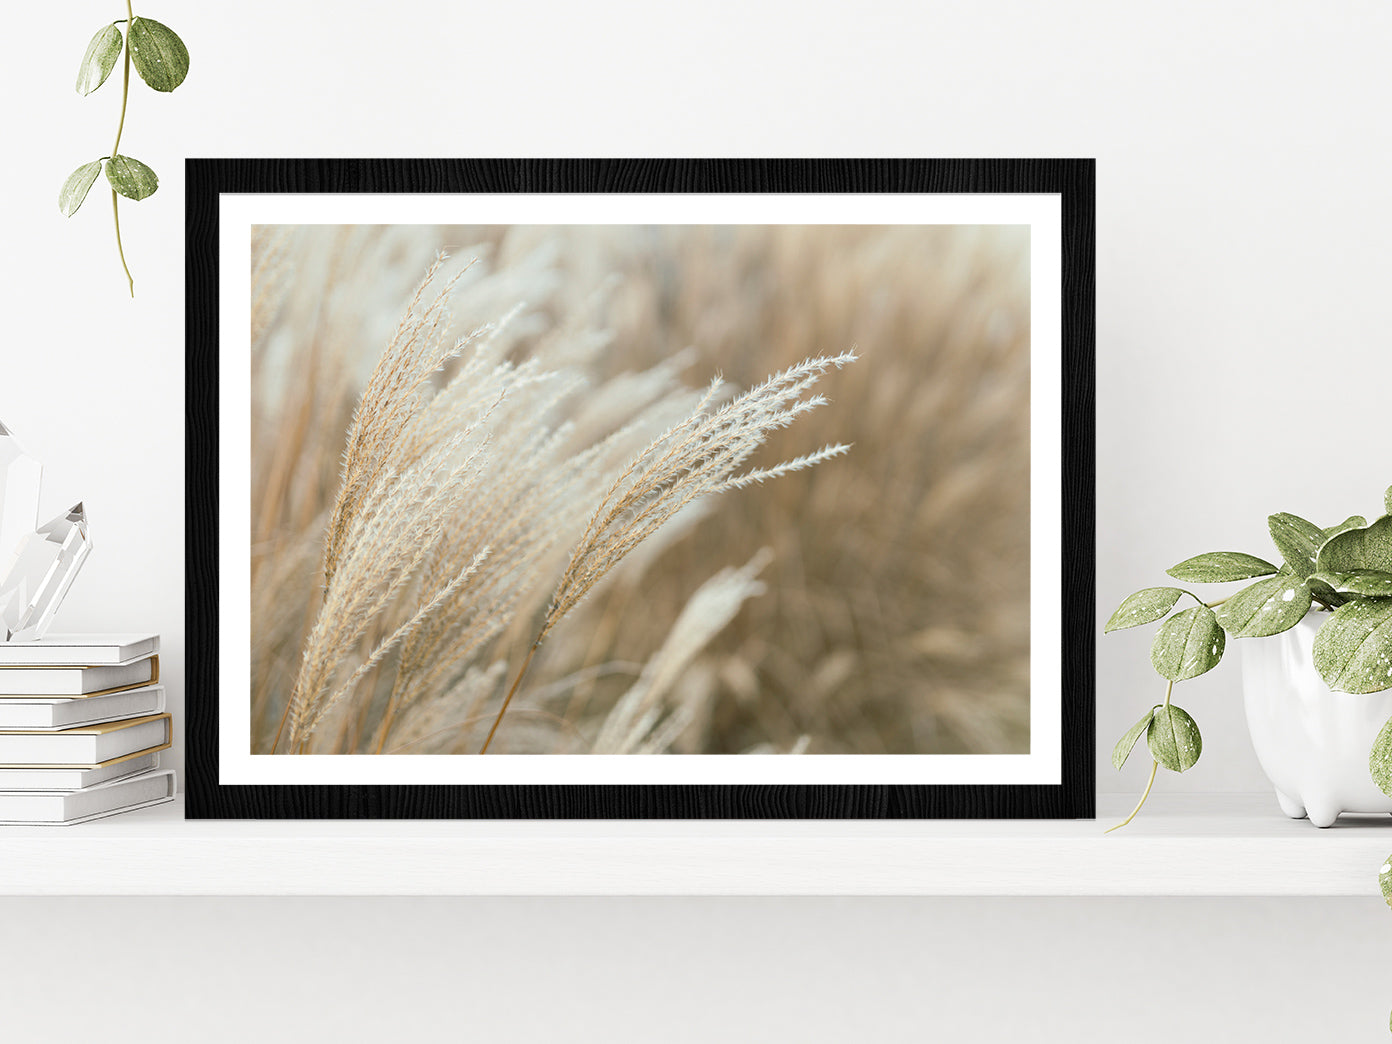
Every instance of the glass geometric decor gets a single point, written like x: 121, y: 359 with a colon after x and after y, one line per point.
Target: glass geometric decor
x: 37, y: 565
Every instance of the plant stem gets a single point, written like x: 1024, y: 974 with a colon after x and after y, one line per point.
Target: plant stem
x: 283, y: 715
x: 1206, y: 605
x: 125, y: 95
x: 1154, y: 767
x: 511, y: 693
x: 116, y: 215
x: 125, y: 81
x: 387, y: 720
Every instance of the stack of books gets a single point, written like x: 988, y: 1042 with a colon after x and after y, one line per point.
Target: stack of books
x: 82, y: 723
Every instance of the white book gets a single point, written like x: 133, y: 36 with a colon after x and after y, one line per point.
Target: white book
x: 63, y: 808
x: 44, y: 777
x: 20, y: 712
x: 77, y: 681
x: 78, y: 650
x: 87, y: 746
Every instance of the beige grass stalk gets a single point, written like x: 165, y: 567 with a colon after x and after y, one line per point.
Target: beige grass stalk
x: 637, y: 723
x: 696, y: 458
x: 395, y: 499
x: 392, y: 394
x: 535, y: 492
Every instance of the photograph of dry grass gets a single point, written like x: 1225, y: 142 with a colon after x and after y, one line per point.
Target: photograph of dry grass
x: 640, y: 490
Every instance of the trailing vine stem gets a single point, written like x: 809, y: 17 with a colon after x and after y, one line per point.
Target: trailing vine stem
x: 1169, y: 691
x: 159, y: 58
x: 1154, y: 768
x: 125, y: 95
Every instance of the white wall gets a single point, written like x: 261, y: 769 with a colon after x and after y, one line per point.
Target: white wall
x: 1242, y: 271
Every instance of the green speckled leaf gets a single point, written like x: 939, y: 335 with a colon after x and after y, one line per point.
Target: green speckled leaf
x: 1380, y: 765
x: 1218, y: 567
x: 75, y: 188
x: 158, y: 54
x: 1385, y: 878
x: 1143, y: 607
x: 99, y: 60
x: 130, y: 177
x: 1323, y: 592
x: 1369, y: 583
x: 1298, y: 541
x: 1267, y: 607
x: 1353, y: 650
x: 1352, y: 522
x: 1122, y: 750
x: 1187, y: 644
x: 1173, y: 738
x: 1366, y: 548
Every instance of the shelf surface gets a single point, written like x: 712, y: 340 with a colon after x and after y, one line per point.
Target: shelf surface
x: 1190, y: 845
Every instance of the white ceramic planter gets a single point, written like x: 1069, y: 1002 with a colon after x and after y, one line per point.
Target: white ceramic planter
x: 1312, y: 742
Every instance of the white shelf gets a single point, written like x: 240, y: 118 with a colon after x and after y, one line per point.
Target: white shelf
x: 1211, y: 845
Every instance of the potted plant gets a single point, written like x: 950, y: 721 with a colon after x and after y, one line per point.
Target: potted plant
x: 1318, y: 690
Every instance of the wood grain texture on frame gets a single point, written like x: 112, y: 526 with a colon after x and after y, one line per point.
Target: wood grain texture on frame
x: 1072, y: 179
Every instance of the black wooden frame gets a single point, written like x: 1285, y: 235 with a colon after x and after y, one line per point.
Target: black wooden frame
x: 1073, y: 797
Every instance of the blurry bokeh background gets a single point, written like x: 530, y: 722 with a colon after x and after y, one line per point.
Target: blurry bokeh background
x: 896, y: 615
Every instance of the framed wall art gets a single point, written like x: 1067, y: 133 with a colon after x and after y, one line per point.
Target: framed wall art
x: 640, y: 489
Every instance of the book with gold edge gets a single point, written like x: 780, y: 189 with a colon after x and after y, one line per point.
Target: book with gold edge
x: 89, y: 745
x: 42, y: 713
x: 77, y: 681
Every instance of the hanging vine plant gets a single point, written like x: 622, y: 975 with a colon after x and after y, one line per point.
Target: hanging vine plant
x: 162, y: 61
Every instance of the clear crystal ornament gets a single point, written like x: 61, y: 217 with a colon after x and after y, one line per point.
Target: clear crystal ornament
x: 42, y: 570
